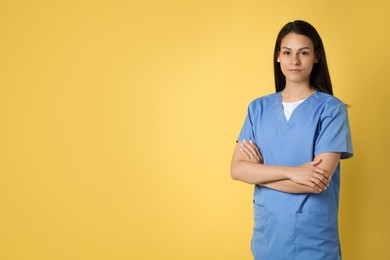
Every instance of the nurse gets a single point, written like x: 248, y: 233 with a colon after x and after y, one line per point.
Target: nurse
x: 290, y: 148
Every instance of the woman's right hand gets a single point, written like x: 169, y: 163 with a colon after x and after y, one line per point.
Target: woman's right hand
x: 311, y: 175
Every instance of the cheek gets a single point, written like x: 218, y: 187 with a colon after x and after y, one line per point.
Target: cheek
x: 283, y: 65
x: 310, y: 66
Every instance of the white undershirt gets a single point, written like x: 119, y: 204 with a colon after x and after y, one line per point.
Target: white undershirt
x: 289, y: 107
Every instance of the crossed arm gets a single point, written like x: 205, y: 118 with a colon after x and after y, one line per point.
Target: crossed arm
x: 312, y: 177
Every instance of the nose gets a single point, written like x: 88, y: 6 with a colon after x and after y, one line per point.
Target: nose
x: 295, y: 60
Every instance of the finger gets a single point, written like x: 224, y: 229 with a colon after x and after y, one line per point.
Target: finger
x: 319, y: 182
x: 315, y: 162
x: 251, y: 143
x: 245, y: 154
x: 317, y: 185
x: 322, y: 172
x: 253, y: 156
x: 250, y: 148
x: 314, y: 186
x: 250, y: 156
x: 322, y: 178
x: 256, y: 149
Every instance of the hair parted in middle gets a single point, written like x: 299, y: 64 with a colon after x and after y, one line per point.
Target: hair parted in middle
x: 319, y: 77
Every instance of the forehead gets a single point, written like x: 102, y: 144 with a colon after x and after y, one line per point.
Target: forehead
x: 293, y: 40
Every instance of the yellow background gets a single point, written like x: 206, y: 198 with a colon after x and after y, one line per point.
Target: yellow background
x: 118, y: 120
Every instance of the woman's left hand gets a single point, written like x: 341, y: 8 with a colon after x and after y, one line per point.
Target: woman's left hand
x: 250, y: 152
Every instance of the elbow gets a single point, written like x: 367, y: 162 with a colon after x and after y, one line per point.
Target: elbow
x: 238, y: 173
x: 234, y: 173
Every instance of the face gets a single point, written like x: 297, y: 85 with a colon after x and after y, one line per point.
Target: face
x: 296, y: 58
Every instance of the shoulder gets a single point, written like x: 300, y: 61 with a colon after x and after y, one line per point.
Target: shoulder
x: 264, y: 100
x: 328, y: 104
x: 327, y: 99
x: 259, y: 105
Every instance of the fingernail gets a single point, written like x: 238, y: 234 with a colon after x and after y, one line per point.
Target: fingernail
x: 320, y: 189
x: 250, y: 141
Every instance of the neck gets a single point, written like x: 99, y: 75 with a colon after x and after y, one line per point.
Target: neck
x: 292, y: 93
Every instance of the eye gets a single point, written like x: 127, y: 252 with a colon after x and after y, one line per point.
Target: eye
x: 286, y: 53
x: 304, y: 53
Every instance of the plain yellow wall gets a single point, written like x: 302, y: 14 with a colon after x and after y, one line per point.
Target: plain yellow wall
x: 118, y: 120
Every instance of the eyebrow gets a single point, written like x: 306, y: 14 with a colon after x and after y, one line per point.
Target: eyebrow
x: 304, y: 48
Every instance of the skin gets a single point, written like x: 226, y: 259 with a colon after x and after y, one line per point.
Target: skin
x: 296, y: 58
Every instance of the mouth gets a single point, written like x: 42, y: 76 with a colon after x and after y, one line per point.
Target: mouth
x: 294, y: 70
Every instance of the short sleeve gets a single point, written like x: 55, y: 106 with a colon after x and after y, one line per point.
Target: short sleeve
x: 334, y: 132
x: 247, y: 130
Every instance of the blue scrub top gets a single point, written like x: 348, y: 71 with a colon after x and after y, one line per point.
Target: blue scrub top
x: 297, y: 226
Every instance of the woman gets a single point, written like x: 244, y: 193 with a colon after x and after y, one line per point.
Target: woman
x: 290, y: 147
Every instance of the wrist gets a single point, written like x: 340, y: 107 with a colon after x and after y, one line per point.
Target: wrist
x: 289, y: 173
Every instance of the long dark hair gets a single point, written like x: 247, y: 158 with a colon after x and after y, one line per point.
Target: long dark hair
x: 319, y: 77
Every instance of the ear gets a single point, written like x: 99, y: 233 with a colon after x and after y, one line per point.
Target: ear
x: 278, y: 60
x: 317, y: 58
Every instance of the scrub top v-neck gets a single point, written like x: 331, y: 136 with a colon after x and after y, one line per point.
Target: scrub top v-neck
x: 289, y: 107
x: 297, y: 226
